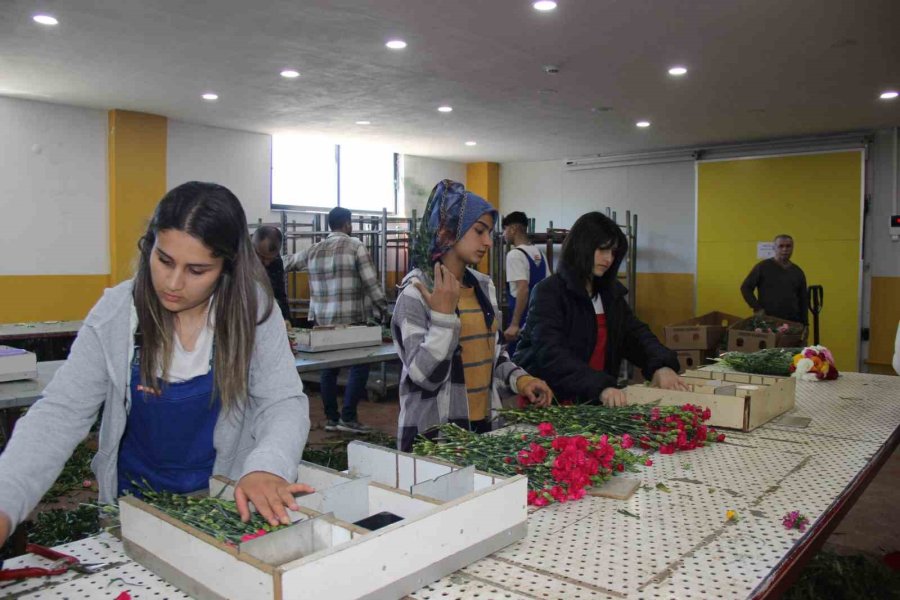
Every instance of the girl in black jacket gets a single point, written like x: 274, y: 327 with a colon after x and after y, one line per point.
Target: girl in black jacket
x: 580, y: 327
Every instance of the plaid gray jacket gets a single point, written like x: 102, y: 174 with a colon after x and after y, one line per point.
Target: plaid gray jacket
x: 432, y: 383
x: 343, y: 283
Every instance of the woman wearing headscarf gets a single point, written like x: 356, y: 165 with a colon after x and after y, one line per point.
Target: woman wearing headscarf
x: 580, y: 327
x: 445, y: 324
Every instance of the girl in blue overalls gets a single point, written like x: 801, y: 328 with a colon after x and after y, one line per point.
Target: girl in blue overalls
x: 515, y: 232
x: 191, y: 367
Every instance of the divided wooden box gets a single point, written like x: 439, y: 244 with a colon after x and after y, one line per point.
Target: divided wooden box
x: 736, y: 400
x: 451, y: 517
x: 742, y: 337
x: 700, y: 333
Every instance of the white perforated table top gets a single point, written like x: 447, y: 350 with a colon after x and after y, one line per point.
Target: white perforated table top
x: 680, y: 544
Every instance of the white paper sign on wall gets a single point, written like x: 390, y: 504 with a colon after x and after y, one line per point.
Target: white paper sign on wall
x: 765, y: 250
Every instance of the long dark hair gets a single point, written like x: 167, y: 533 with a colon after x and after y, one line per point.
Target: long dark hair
x: 593, y: 231
x: 213, y: 215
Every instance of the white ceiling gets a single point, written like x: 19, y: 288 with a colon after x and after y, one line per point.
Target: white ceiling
x: 758, y: 68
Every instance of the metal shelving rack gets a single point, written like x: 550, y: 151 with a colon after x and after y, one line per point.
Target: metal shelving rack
x: 387, y: 240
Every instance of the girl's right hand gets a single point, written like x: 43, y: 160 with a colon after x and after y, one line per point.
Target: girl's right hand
x: 613, y: 397
x: 445, y: 296
x: 5, y: 527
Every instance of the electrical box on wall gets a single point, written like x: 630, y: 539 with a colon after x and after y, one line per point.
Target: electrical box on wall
x: 895, y: 226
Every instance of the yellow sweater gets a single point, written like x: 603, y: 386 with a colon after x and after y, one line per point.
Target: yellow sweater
x: 478, y: 344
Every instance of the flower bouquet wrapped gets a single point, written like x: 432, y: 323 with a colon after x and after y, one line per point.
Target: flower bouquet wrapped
x: 814, y: 363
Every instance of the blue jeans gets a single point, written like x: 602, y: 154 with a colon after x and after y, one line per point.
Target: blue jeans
x: 356, y: 389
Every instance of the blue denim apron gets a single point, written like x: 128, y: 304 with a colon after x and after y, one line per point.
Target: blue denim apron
x: 168, y: 440
x: 536, y: 274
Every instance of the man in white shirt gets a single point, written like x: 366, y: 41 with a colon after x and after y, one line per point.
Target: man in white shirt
x: 526, y: 266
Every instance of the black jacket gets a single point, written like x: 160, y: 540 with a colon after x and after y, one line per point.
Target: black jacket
x: 275, y: 271
x: 561, y: 331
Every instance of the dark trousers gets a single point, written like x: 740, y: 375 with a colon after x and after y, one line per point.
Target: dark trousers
x: 356, y: 389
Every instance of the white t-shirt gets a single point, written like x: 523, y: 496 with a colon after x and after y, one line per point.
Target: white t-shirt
x: 598, y: 305
x: 517, y: 267
x: 187, y: 365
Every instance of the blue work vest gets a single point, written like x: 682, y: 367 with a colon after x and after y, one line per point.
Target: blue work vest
x: 168, y: 440
x: 536, y: 274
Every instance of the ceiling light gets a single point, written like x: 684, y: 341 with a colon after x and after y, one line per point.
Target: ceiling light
x: 471, y: 143
x: 364, y: 122
x: 210, y: 96
x: 678, y: 71
x: 643, y: 124
x: 396, y: 44
x: 445, y: 109
x: 290, y: 74
x: 45, y: 20
x: 889, y: 95
x: 544, y: 5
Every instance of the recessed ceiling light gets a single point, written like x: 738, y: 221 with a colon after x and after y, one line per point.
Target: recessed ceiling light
x: 290, y: 74
x: 678, y: 71
x: 210, y: 96
x: 396, y: 44
x: 45, y: 20
x: 544, y: 5
x: 889, y: 95
x: 445, y: 109
x: 364, y: 122
x: 471, y: 143
x: 642, y: 124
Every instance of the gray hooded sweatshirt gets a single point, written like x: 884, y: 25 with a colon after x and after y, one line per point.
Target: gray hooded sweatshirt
x: 267, y: 434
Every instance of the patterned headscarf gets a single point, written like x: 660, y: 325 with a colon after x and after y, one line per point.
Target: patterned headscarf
x: 450, y: 212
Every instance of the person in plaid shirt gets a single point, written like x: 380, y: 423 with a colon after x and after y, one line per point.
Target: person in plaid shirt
x: 344, y: 289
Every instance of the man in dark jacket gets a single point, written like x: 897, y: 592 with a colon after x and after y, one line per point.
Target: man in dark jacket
x: 267, y: 242
x: 780, y: 284
x: 580, y: 327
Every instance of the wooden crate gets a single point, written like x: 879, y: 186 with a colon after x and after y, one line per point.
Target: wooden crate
x: 700, y: 333
x: 451, y: 517
x: 743, y: 339
x: 736, y: 400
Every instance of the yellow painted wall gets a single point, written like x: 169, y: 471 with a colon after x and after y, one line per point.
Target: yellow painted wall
x: 484, y: 179
x: 664, y: 298
x: 137, y: 181
x: 49, y: 297
x: 816, y: 198
x: 883, y: 318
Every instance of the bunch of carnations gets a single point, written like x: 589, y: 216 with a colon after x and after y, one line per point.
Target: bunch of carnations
x: 763, y: 325
x: 814, y: 363
x: 578, y: 462
x: 677, y: 430
x: 794, y: 520
x: 570, y: 451
x: 214, y: 516
x: 559, y: 467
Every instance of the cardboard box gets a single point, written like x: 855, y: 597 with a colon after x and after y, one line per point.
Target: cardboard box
x: 736, y: 400
x: 450, y: 517
x: 743, y: 338
x: 336, y: 337
x: 693, y: 359
x: 700, y: 333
